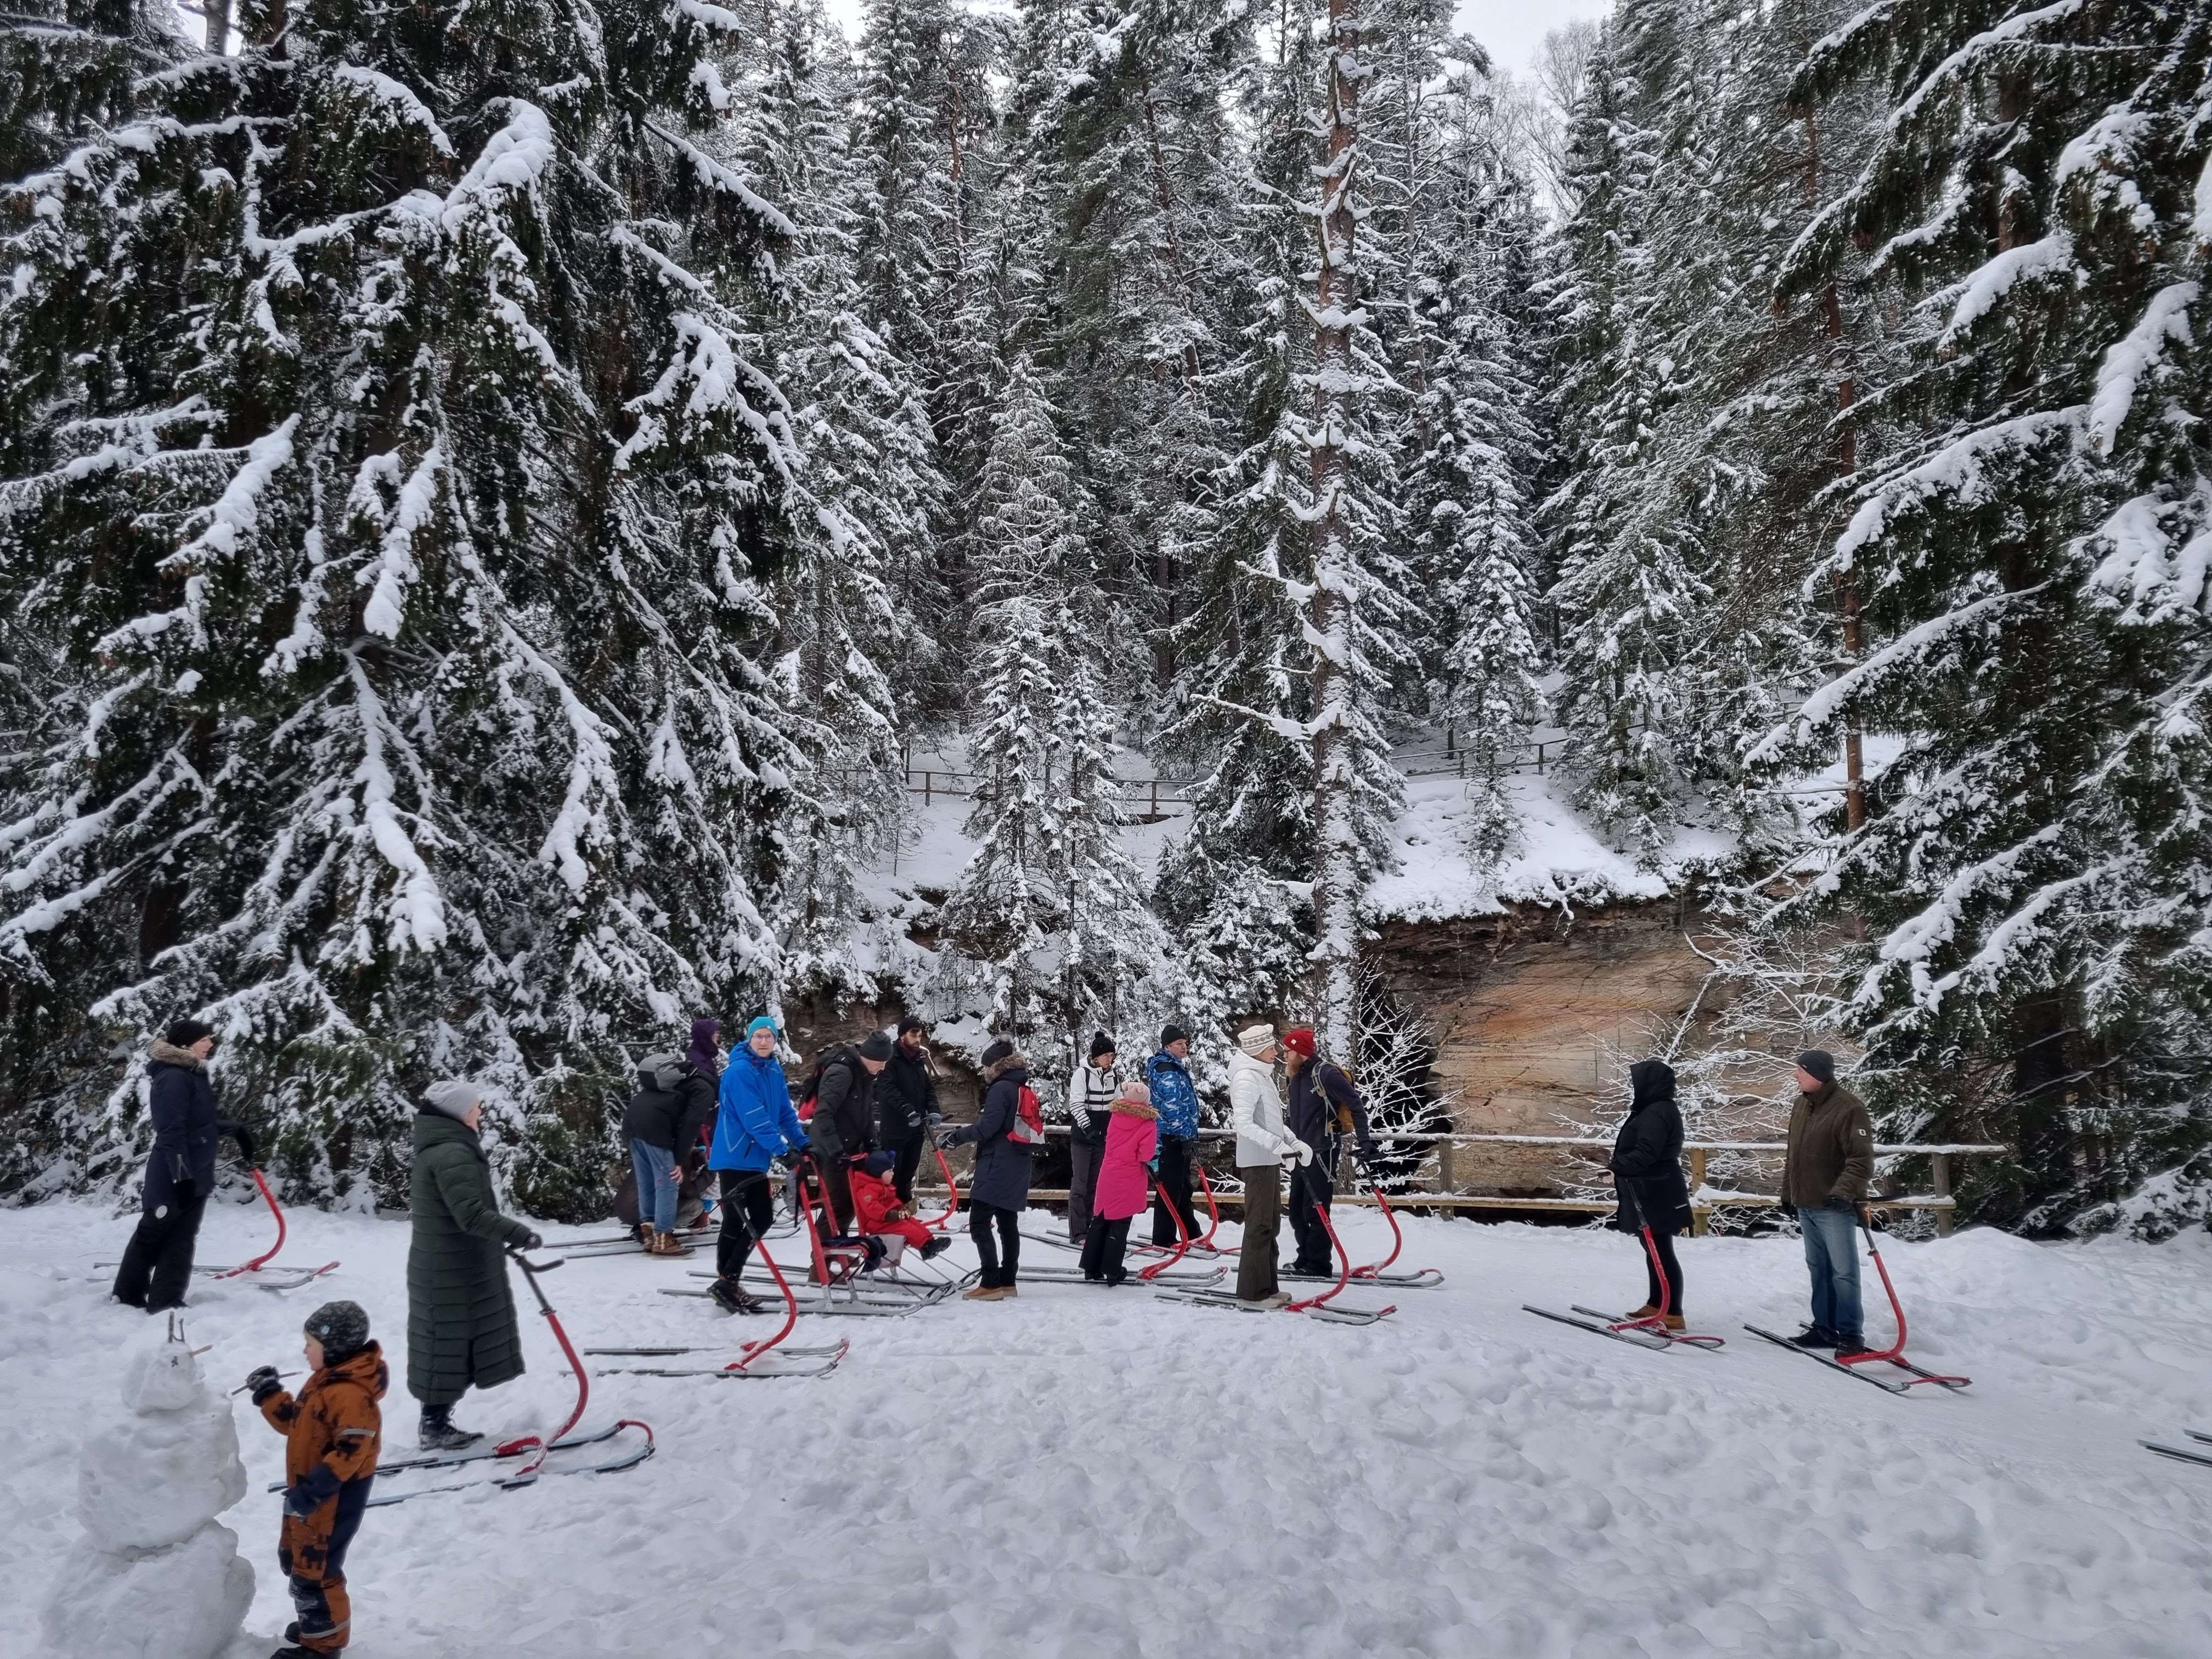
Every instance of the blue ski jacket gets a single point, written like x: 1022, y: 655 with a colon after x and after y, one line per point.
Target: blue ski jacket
x: 754, y: 1121
x: 1173, y: 1097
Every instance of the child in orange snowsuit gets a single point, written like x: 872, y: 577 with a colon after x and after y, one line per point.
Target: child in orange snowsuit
x: 876, y: 1203
x: 332, y: 1434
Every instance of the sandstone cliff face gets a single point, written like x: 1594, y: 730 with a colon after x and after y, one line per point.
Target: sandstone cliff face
x: 1535, y: 1015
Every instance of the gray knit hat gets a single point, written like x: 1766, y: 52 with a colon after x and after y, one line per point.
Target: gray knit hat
x: 451, y: 1097
x: 342, y: 1327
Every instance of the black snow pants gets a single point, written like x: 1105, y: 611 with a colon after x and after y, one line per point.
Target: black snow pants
x: 157, y: 1262
x: 1663, y: 1243
x: 1175, y: 1154
x: 747, y: 1212
x: 981, y: 1219
x: 1103, y: 1243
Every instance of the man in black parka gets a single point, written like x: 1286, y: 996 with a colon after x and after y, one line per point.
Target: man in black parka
x: 157, y: 1263
x: 1647, y: 1173
x: 906, y: 1104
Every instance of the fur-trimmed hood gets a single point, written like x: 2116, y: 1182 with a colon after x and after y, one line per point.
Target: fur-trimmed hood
x: 168, y: 1054
x: 1137, y: 1109
x: 998, y: 1068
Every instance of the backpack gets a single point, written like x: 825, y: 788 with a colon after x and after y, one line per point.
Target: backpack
x: 1339, y: 1114
x: 1028, y: 1127
x: 813, y: 1089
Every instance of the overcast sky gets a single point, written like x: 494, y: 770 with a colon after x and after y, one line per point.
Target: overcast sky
x: 1512, y: 29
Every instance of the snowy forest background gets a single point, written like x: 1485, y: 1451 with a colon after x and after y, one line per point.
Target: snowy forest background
x: 492, y: 492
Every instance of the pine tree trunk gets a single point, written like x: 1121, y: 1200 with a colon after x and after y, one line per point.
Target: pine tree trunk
x: 1336, y: 896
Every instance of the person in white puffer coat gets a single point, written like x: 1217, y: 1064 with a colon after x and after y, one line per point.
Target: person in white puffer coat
x: 1264, y: 1146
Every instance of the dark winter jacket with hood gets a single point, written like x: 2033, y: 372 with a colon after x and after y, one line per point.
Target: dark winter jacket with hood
x: 1319, y: 1091
x: 1647, y: 1155
x: 674, y: 1101
x: 180, y: 1100
x: 844, y: 1106
x: 906, y: 1096
x: 1002, y: 1164
x: 461, y: 1331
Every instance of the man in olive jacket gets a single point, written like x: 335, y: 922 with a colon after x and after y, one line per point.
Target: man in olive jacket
x: 1825, y: 1175
x: 844, y: 1117
x: 461, y: 1331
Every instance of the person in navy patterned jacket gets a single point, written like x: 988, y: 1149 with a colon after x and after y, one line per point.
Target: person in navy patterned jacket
x: 1167, y: 1074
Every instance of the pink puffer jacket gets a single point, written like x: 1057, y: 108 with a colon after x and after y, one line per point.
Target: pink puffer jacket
x: 1125, y: 1185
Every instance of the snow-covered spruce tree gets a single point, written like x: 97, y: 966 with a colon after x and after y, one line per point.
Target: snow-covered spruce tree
x: 2034, y: 869
x: 924, y: 140
x: 1049, y: 918
x: 1317, y: 516
x: 1454, y: 230
x: 389, y: 486
x: 1134, y: 115
x: 1627, y: 587
x: 871, y: 502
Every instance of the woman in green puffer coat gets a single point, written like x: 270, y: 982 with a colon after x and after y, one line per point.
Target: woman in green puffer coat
x: 461, y: 1330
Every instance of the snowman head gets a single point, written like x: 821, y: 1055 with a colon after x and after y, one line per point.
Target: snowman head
x: 161, y: 1377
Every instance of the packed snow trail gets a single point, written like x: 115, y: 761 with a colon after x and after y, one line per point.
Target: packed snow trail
x: 1084, y: 1472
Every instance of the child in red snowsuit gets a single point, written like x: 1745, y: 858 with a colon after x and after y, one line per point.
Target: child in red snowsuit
x: 875, y: 1204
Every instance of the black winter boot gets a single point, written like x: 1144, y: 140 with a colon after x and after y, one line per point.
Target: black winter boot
x: 436, y: 1432
x: 1813, y: 1336
x: 936, y: 1247
x: 732, y: 1300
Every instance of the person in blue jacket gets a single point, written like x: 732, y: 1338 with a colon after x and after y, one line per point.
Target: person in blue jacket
x: 754, y: 1126
x: 1167, y: 1074
x: 157, y: 1263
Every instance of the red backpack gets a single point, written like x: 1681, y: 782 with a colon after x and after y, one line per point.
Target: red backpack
x: 1028, y: 1127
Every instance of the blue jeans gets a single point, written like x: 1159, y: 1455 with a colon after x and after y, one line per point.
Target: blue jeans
x: 656, y: 1187
x: 1831, y: 1256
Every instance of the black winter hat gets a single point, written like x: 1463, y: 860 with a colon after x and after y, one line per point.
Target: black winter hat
x: 1818, y: 1062
x: 1100, y: 1044
x: 186, y: 1032
x: 876, y: 1046
x: 342, y: 1327
x: 1173, y: 1035
x: 912, y: 1022
x: 997, y: 1051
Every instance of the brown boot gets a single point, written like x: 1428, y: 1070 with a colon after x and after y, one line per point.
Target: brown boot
x: 664, y: 1244
x: 1646, y: 1311
x: 1675, y: 1322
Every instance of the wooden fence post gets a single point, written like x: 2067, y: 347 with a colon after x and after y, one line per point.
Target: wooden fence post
x: 1699, y: 1214
x: 1444, y: 1182
x: 1940, y: 1173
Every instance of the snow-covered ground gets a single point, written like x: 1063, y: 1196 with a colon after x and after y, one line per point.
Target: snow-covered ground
x: 1093, y: 1473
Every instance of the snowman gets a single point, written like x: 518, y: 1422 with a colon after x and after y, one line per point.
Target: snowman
x: 158, y: 1578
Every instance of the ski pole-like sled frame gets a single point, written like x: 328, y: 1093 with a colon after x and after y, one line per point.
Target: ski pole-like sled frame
x: 1649, y: 1332
x: 292, y: 1278
x: 1313, y: 1307
x: 2182, y: 1454
x: 1893, y: 1355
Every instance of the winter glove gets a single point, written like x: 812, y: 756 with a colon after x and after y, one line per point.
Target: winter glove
x: 262, y: 1382
x: 316, y: 1488
x: 945, y: 1142
x: 244, y: 1137
x: 533, y: 1240
x: 186, y: 1189
x: 1298, y: 1152
x: 936, y: 1118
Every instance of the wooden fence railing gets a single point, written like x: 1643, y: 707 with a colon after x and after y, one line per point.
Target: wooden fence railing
x: 1448, y: 1166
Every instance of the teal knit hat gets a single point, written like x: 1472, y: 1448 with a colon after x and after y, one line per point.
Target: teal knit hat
x: 761, y: 1023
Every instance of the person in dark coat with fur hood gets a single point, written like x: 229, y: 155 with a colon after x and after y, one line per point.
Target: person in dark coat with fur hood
x: 1005, y: 1134
x: 1647, y: 1173
x: 157, y: 1263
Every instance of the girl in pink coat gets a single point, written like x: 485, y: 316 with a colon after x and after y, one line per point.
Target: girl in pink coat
x: 1125, y: 1183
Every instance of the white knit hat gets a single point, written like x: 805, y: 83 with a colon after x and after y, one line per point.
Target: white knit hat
x: 451, y: 1097
x: 1253, y: 1038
